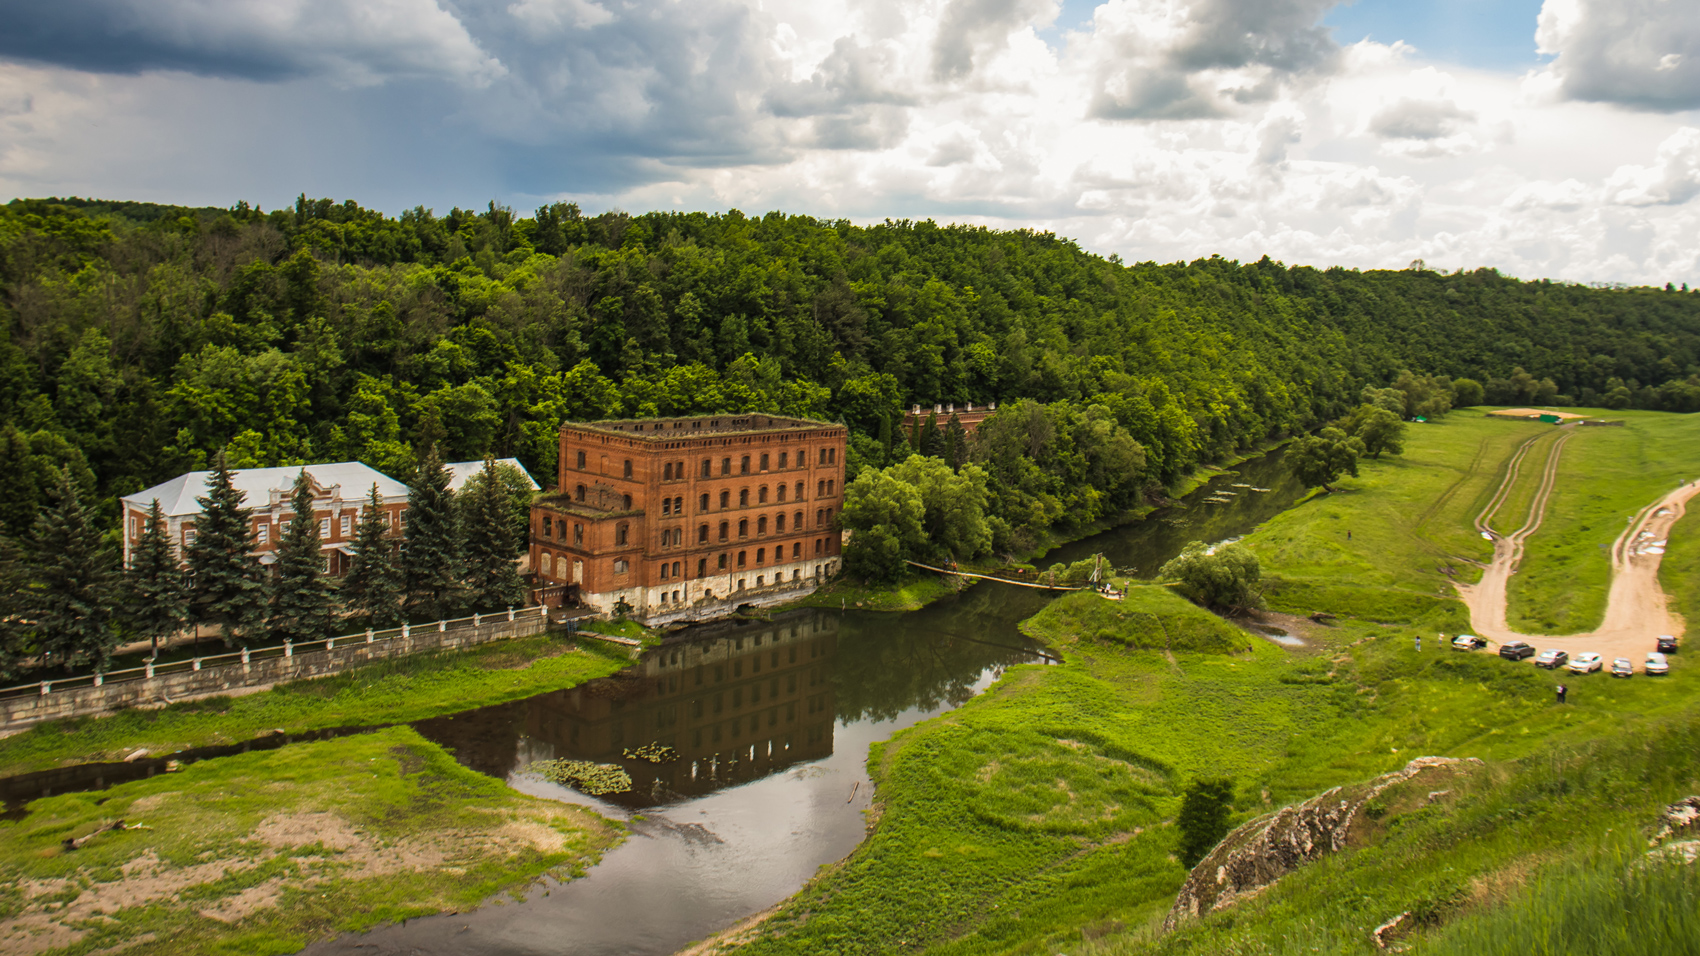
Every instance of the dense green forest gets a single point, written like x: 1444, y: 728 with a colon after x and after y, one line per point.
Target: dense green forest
x: 141, y: 339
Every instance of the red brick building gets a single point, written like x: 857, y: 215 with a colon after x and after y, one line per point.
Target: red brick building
x: 688, y: 519
x: 969, y: 415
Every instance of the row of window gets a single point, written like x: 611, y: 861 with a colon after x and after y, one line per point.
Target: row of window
x: 675, y: 470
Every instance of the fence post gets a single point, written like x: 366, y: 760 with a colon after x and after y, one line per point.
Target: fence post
x: 368, y: 635
x: 99, y: 678
x: 288, y: 649
x: 197, y: 664
x: 510, y: 612
x: 244, y: 656
x: 476, y: 619
x: 330, y: 644
x: 46, y: 687
x: 405, y: 630
x: 150, y: 669
x: 442, y: 625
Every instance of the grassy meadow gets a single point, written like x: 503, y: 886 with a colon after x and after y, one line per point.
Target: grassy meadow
x: 382, y: 692
x: 263, y: 853
x: 1038, y: 817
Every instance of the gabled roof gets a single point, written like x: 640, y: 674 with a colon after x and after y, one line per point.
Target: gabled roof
x: 177, y: 496
x: 460, y: 471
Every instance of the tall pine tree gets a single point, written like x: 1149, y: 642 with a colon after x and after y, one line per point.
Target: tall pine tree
x: 301, y: 594
x: 493, y: 580
x: 431, y: 546
x: 155, y: 603
x: 370, y: 590
x: 227, y: 585
x: 71, y: 584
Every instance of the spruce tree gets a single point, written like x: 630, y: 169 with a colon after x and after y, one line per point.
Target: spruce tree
x: 155, y: 603
x: 370, y: 591
x: 15, y: 638
x: 71, y: 583
x: 493, y: 580
x: 431, y: 544
x: 301, y: 595
x: 227, y: 587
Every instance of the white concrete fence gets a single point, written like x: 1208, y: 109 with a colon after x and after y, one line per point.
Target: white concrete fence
x: 156, y: 683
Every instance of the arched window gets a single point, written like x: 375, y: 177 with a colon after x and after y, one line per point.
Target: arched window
x: 741, y: 556
x: 817, y: 545
x: 707, y: 467
x: 723, y: 527
x: 823, y: 456
x: 703, y: 502
x: 666, y: 506
x: 743, y: 497
x: 725, y: 500
x: 702, y: 567
x: 578, y: 534
x: 820, y: 488
x: 679, y: 505
x: 626, y: 502
x: 761, y: 525
x: 744, y: 528
x: 779, y: 523
x: 818, y: 513
x: 799, y: 491
x: 620, y: 534
x: 761, y: 555
x: 782, y: 456
x: 578, y: 493
x: 702, y: 534
x: 764, y: 461
x: 667, y: 472
x: 797, y: 550
x: 744, y: 465
x: 628, y: 468
x: 664, y: 576
x: 797, y: 521
x: 781, y: 492
x: 832, y: 456
x: 723, y: 561
x: 726, y: 466
x: 548, y: 564
x: 830, y: 483
x: 581, y: 461
x: 759, y: 579
x: 761, y: 494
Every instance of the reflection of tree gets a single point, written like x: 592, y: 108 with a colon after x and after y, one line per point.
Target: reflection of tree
x: 887, y: 664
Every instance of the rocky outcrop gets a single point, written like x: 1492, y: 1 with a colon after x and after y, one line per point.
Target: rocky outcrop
x: 1263, y: 850
x: 1681, y: 818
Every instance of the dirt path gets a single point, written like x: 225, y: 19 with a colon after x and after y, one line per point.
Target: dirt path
x: 1636, y: 609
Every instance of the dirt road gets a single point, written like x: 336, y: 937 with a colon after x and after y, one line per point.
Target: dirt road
x: 1636, y: 609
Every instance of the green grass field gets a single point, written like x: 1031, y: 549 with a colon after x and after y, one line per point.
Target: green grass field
x: 384, y: 692
x: 265, y: 852
x: 1037, y: 818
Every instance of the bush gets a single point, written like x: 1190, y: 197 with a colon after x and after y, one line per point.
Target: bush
x: 1227, y: 576
x: 1203, y: 820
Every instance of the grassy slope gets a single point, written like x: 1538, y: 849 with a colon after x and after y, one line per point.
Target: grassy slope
x: 1033, y: 819
x: 338, y: 836
x: 1606, y: 475
x: 384, y: 692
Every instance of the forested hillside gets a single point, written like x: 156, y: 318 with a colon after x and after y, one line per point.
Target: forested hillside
x: 142, y: 338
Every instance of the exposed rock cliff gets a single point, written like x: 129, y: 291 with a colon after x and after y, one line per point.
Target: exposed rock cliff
x: 1263, y: 850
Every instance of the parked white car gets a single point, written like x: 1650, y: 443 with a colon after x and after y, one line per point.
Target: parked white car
x: 1622, y: 667
x: 1656, y: 664
x: 1584, y: 663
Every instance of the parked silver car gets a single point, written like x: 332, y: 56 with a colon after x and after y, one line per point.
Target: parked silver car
x: 1622, y: 667
x: 1656, y: 664
x: 1585, y: 663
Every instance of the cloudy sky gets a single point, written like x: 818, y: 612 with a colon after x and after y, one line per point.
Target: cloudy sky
x: 1555, y: 139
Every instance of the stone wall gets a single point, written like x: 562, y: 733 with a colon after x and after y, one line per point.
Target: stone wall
x: 260, y: 670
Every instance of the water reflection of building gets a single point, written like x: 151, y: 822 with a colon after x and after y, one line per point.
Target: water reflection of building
x: 735, y: 708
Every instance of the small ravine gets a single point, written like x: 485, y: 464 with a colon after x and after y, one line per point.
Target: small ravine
x: 771, y: 722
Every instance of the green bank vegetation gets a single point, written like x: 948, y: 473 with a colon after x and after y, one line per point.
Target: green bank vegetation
x: 1039, y: 817
x: 383, y: 692
x: 265, y: 852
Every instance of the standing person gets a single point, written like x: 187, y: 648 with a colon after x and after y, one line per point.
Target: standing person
x: 1562, y: 690
x: 1419, y: 643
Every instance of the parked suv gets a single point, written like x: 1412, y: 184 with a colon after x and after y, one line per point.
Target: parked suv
x: 1516, y: 650
x: 1552, y: 659
x: 1667, y: 643
x: 1468, y: 642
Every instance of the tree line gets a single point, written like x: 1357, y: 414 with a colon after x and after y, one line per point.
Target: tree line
x: 70, y: 604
